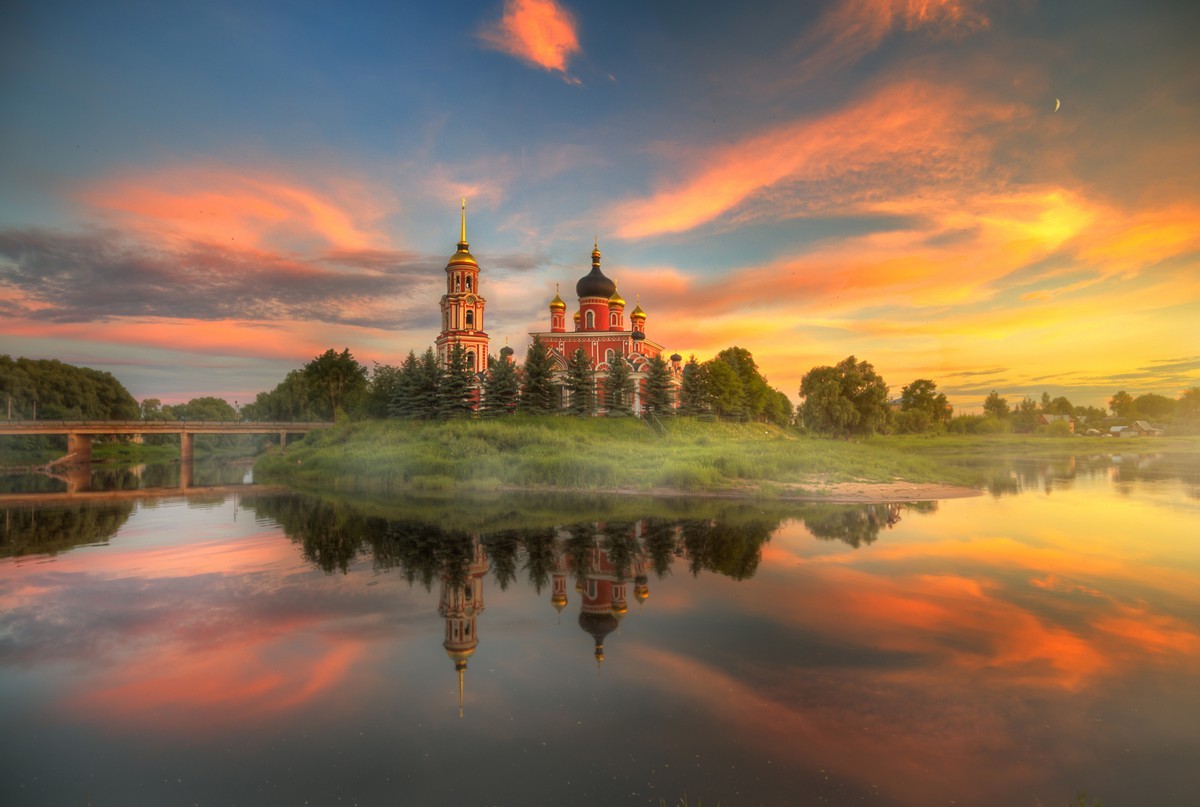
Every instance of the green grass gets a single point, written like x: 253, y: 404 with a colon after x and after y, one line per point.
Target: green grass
x: 591, y: 454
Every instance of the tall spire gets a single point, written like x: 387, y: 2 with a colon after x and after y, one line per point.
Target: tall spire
x: 462, y: 239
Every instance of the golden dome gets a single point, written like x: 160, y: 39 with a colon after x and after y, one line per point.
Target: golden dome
x: 559, y: 601
x: 616, y: 299
x: 637, y: 312
x: 460, y: 656
x: 641, y: 593
x: 619, y: 609
x: 557, y: 303
x: 463, y: 256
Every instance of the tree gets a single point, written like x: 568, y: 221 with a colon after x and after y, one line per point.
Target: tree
x: 1155, y: 407
x: 754, y: 389
x: 996, y: 406
x: 151, y: 409
x: 658, y: 386
x: 1122, y: 405
x: 581, y: 385
x: 62, y: 391
x: 724, y: 389
x: 693, y: 391
x: 381, y: 389
x: 455, y: 388
x: 849, y: 398
x: 205, y: 408
x: 778, y: 409
x: 538, y: 394
x: 291, y: 400
x: 1025, y: 416
x: 922, y: 396
x: 501, y: 388
x: 1187, y: 411
x: 336, y: 381
x: 618, y: 387
x: 1060, y: 406
x: 428, y: 380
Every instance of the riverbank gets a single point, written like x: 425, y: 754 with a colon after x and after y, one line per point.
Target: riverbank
x: 682, y: 456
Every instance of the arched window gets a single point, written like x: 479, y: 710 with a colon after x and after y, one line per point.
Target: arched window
x: 468, y: 282
x: 609, y: 355
x: 591, y: 320
x: 470, y: 319
x: 612, y: 318
x: 471, y: 359
x: 458, y: 282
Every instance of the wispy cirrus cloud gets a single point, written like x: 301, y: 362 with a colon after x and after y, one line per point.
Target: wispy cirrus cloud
x: 851, y: 29
x: 904, y: 137
x: 539, y: 32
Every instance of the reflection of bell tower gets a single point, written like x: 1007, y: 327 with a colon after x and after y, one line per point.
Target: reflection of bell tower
x: 460, y: 604
x: 462, y: 307
x: 558, y: 582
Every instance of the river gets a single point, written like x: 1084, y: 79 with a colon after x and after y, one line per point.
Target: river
x: 251, y: 646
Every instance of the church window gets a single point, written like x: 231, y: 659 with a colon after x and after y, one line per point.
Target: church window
x: 612, y: 318
x: 591, y: 320
x: 458, y: 283
x: 468, y: 282
x: 471, y: 359
x: 470, y: 319
x: 609, y: 355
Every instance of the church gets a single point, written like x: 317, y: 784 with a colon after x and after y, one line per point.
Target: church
x: 599, y: 326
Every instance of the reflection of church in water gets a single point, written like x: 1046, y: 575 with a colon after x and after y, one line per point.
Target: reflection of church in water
x: 601, y: 581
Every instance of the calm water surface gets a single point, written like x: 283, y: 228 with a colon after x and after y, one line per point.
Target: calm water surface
x: 263, y: 648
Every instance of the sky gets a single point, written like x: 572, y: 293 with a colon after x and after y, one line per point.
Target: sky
x: 200, y: 197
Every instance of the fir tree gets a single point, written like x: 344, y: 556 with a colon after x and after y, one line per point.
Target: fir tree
x: 538, y: 395
x: 694, y: 390
x: 501, y: 388
x: 429, y: 377
x: 581, y: 383
x: 658, y: 386
x: 618, y: 387
x: 404, y: 397
x: 455, y: 387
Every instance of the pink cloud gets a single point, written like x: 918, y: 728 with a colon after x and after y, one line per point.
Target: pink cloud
x: 908, y: 134
x: 540, y: 32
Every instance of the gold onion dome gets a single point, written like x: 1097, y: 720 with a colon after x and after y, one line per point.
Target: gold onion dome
x: 460, y: 656
x: 616, y: 298
x: 557, y: 303
x: 463, y: 255
x: 637, y: 311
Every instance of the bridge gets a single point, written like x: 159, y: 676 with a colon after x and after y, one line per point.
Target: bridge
x: 80, y: 432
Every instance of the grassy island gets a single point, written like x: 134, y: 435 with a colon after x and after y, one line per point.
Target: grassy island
x: 627, y: 454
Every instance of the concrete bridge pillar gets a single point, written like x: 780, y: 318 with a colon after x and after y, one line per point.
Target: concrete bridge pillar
x: 283, y: 442
x: 79, y: 447
x: 186, y: 446
x: 185, y: 473
x: 79, y: 478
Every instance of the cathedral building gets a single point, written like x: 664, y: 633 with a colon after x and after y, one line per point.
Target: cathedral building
x: 600, y: 331
x: 598, y: 326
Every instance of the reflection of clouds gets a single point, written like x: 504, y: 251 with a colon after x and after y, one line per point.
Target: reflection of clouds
x: 203, y: 633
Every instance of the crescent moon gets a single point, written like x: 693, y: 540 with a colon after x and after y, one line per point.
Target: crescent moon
x: 1057, y: 104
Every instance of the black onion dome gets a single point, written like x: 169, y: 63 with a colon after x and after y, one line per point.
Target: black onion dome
x: 595, y: 284
x: 676, y: 357
x: 506, y: 351
x: 598, y: 625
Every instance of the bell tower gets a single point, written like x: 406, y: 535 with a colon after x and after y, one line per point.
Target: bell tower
x: 462, y: 306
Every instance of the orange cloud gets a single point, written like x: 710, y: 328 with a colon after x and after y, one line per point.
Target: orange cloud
x: 540, y: 32
x: 907, y: 131
x: 853, y: 28
x: 244, y: 209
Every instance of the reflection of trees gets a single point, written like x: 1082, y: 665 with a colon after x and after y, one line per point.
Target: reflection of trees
x: 730, y: 549
x: 333, y: 536
x: 854, y: 524
x: 50, y: 530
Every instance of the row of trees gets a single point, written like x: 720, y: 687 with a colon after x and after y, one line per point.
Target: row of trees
x: 850, y: 398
